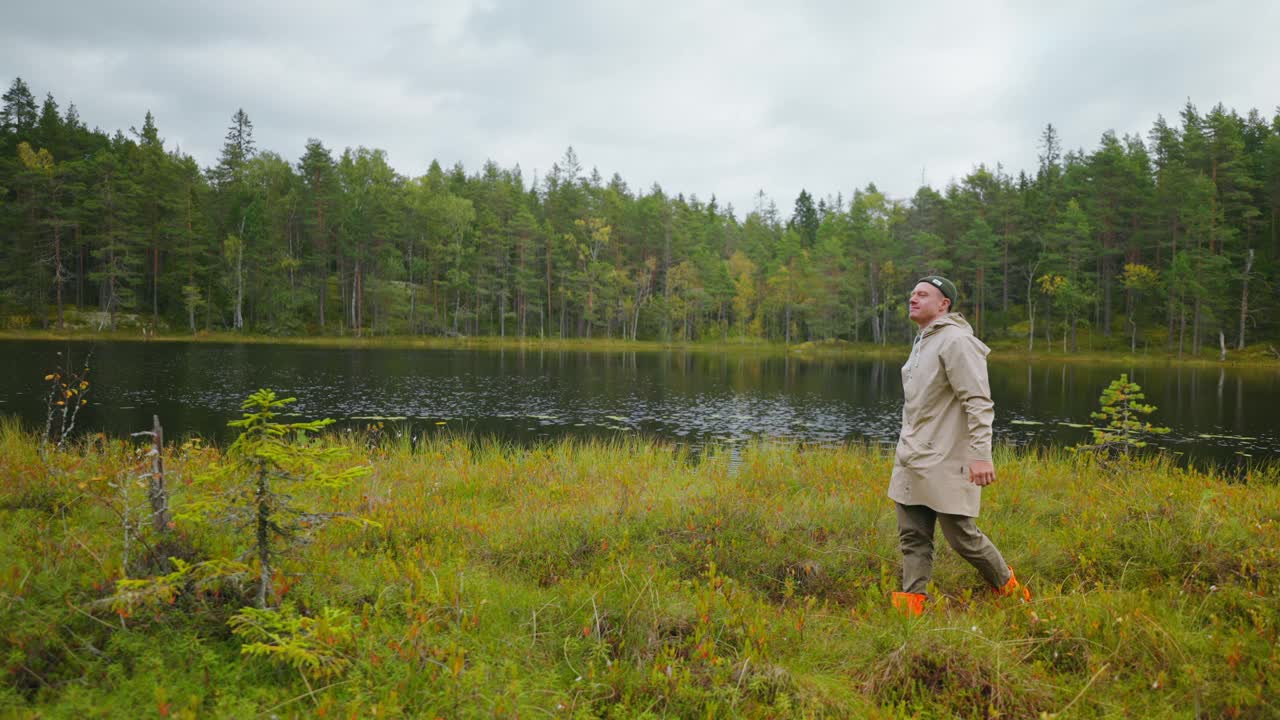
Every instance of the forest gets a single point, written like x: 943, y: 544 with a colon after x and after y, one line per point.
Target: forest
x: 1164, y: 243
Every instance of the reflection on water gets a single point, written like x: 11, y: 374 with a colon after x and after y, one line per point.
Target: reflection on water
x: 689, y: 397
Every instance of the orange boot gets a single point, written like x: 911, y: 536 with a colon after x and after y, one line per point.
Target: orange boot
x: 909, y: 603
x: 1013, y: 587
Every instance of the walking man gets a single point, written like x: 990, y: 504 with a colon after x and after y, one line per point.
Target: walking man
x: 943, y: 459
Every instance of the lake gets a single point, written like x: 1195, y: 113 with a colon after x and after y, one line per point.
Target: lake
x: 1222, y: 414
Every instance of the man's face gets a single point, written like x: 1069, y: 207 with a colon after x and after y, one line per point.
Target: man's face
x: 927, y: 304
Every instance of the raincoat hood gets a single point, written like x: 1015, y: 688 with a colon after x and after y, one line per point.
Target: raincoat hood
x: 951, y: 319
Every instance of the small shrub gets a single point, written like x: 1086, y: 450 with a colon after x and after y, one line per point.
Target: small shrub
x: 269, y: 460
x: 67, y: 391
x: 1123, y: 410
x: 317, y: 647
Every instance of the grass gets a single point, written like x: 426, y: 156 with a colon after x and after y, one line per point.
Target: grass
x: 627, y: 579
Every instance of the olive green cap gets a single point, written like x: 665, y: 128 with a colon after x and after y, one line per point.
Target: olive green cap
x: 947, y: 287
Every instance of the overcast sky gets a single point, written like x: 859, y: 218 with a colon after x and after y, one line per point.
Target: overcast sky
x: 722, y: 98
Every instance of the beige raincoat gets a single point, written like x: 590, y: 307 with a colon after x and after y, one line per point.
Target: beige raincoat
x: 946, y: 419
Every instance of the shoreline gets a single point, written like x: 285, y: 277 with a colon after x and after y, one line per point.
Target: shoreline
x: 1001, y: 352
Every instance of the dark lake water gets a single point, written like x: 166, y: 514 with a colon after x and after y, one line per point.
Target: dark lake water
x: 1228, y: 415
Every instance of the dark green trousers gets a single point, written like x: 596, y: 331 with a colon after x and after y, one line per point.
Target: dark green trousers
x: 915, y: 540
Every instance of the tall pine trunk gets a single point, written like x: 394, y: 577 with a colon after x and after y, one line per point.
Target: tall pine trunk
x: 1244, y: 298
x: 1196, y: 329
x: 1173, y: 254
x: 57, y: 266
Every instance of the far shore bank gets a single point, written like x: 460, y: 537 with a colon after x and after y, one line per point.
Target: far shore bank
x: 1262, y: 355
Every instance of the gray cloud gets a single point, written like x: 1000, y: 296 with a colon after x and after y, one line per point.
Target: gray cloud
x: 702, y: 97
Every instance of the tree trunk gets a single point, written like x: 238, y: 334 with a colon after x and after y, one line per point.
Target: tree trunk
x: 155, y: 278
x: 1196, y: 329
x: 412, y: 289
x: 239, y: 312
x: 263, y: 501
x: 547, y: 311
x: 1173, y: 254
x: 357, y: 300
x: 343, y: 311
x: 1004, y: 291
x: 322, y: 278
x: 1182, y: 329
x: 208, y: 304
x: 1106, y: 298
x: 1031, y: 307
x: 666, y: 271
x: 1130, y: 306
x: 978, y: 305
x: 1031, y: 330
x: 57, y: 266
x: 520, y: 303
x: 190, y: 296
x: 111, y: 287
x: 1048, y: 326
x: 884, y: 324
x: 157, y: 493
x: 1244, y: 298
x: 876, y: 330
x: 80, y: 251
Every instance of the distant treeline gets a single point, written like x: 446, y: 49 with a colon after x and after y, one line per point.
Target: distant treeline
x: 1166, y: 241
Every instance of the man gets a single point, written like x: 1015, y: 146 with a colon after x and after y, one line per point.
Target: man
x: 943, y: 459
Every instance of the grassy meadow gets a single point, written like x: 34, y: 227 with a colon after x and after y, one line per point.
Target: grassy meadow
x: 465, y: 578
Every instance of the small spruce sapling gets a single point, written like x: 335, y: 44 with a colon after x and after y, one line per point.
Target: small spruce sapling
x: 267, y: 463
x: 1125, y: 413
x: 268, y: 460
x: 316, y: 646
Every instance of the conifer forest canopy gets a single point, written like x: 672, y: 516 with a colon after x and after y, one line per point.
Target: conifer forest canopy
x: 1168, y: 241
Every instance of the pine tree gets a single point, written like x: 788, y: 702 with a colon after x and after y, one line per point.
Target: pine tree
x: 804, y: 220
x: 113, y: 200
x: 160, y: 202
x: 53, y: 186
x: 234, y: 201
x: 321, y: 194
x: 18, y: 116
x: 1122, y: 408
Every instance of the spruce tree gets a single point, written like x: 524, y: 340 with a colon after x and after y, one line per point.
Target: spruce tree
x: 18, y: 116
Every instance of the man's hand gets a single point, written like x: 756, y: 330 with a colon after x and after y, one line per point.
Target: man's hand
x: 982, y: 473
